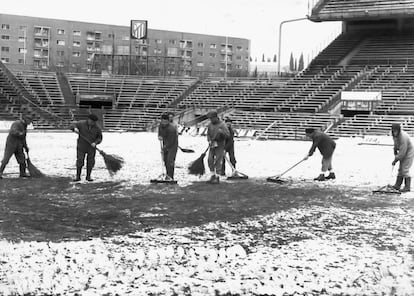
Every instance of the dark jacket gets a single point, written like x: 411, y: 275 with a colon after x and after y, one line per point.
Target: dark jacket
x: 92, y: 134
x: 230, y: 139
x: 17, y: 133
x: 218, y: 133
x: 169, y: 135
x: 323, y: 142
x: 403, y: 148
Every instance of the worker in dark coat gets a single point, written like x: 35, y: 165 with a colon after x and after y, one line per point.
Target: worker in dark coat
x: 168, y: 136
x: 90, y: 135
x: 16, y: 144
x: 217, y: 134
x: 326, y: 146
x: 404, y: 153
x: 229, y: 146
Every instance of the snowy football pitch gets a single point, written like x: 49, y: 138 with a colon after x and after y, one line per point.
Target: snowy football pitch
x: 121, y: 235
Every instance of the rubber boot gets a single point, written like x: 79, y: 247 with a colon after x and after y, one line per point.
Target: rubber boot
x: 78, y: 174
x: 321, y: 177
x: 407, y: 185
x: 22, y: 169
x: 331, y: 176
x: 398, y: 183
x: 88, y: 174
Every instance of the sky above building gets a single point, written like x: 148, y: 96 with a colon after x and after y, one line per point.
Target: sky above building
x: 256, y: 20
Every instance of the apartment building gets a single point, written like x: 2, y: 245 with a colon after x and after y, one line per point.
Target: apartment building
x: 72, y: 46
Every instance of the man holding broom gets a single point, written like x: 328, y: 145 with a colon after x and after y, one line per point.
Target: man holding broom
x: 90, y: 135
x: 168, y: 136
x: 15, y: 144
x: 217, y: 134
x: 404, y: 153
x: 326, y: 146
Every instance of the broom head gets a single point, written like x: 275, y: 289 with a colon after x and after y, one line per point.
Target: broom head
x: 113, y: 163
x: 33, y: 171
x: 197, y: 166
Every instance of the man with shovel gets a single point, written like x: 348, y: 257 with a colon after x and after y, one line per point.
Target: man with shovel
x: 326, y: 146
x: 168, y: 136
x: 15, y: 144
x: 404, y: 153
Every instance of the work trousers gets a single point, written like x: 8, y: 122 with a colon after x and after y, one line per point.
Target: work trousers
x: 230, y: 151
x: 326, y: 163
x: 169, y: 160
x: 215, y: 159
x: 405, y: 165
x: 89, y: 152
x: 16, y: 148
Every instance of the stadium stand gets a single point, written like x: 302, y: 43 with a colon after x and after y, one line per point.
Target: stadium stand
x: 329, y: 10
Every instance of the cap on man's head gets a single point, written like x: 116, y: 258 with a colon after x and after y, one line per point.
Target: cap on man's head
x: 212, y: 114
x: 27, y: 117
x: 309, y: 130
x: 396, y: 127
x: 228, y: 119
x: 165, y: 116
x: 93, y: 117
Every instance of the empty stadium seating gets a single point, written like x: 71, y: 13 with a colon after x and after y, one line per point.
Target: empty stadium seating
x: 348, y: 9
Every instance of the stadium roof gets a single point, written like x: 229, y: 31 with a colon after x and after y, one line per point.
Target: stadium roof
x: 338, y: 10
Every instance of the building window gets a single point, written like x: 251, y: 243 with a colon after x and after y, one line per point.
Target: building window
x: 60, y: 42
x: 157, y: 51
x: 76, y: 44
x: 20, y: 61
x: 200, y: 64
x: 238, y: 58
x: 5, y: 49
x: 212, y: 65
x: 60, y: 64
x: 158, y: 41
x: 22, y: 39
x: 213, y: 45
x: 172, y: 41
x: 5, y: 60
x: 125, y: 38
x: 200, y: 53
x: 5, y: 37
x: 76, y: 54
x: 5, y: 26
x: 172, y: 51
x: 212, y: 54
x: 23, y: 28
x: 76, y: 33
x: 60, y: 32
x: 239, y: 67
x: 200, y: 44
x: 22, y: 50
x: 239, y: 47
x: 60, y: 53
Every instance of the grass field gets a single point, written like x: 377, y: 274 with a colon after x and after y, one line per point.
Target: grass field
x: 122, y: 235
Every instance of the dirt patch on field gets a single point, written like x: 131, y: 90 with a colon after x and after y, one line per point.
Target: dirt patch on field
x: 57, y: 209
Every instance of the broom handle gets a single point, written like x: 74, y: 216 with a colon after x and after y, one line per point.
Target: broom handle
x: 162, y: 158
x: 302, y: 160
x: 89, y: 142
